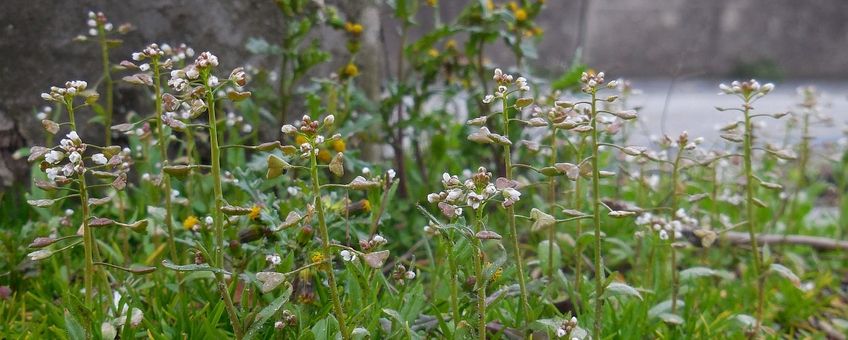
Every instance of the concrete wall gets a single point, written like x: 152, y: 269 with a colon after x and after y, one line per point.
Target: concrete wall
x: 807, y: 38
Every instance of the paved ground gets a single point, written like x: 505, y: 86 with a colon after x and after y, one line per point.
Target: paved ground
x: 691, y: 107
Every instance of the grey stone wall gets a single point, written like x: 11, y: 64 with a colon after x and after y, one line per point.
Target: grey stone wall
x: 625, y: 37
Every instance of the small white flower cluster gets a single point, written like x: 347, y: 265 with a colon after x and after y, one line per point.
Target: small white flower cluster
x: 58, y: 94
x: 375, y: 242
x: 44, y: 113
x: 401, y: 274
x: 95, y: 20
x: 504, y: 81
x: 309, y: 127
x: 567, y: 327
x: 474, y: 192
x: 179, y: 53
x: 593, y: 81
x: 74, y: 148
x: 273, y: 259
x: 663, y: 227
x: 234, y: 120
x: 747, y: 89
x: 348, y: 256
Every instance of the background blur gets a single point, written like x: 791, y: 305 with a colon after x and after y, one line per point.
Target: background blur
x: 677, y: 50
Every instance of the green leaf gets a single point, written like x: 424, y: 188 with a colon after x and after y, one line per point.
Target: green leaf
x: 662, y: 307
x: 696, y: 272
x: 268, y: 312
x: 618, y: 288
x: 544, y: 250
x: 73, y: 327
x: 193, y: 267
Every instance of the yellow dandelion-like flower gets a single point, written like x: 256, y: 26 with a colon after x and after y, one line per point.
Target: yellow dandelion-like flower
x: 512, y: 6
x: 432, y: 3
x: 450, y: 45
x: 520, y: 14
x: 254, y: 212
x: 190, y: 222
x: 353, y: 28
x: 350, y: 70
x: 490, y: 5
x: 433, y: 52
x: 366, y: 205
x: 339, y: 145
x: 317, y: 257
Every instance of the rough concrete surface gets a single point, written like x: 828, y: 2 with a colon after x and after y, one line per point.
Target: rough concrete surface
x: 625, y: 37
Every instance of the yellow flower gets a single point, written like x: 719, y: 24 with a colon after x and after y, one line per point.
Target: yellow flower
x: 317, y: 257
x: 490, y: 5
x: 350, y: 70
x: 538, y: 31
x: 512, y: 6
x: 433, y: 52
x: 497, y: 274
x: 190, y: 222
x: 450, y: 45
x: 324, y: 156
x: 520, y: 14
x: 432, y: 3
x: 366, y: 205
x: 254, y: 212
x: 353, y: 28
x: 299, y: 140
x: 339, y: 145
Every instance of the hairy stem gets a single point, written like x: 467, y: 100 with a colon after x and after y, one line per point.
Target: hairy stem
x: 596, y: 211
x: 325, y: 244
x: 510, y: 211
x: 749, y: 208
x: 481, y: 282
x: 163, y: 150
x: 218, y: 216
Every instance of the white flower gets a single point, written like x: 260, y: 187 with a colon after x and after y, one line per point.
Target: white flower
x: 54, y: 157
x: 273, y: 259
x: 474, y: 199
x: 663, y: 235
x: 294, y: 191
x: 378, y: 239
x: 366, y: 171
x: 511, y: 194
x: 99, y: 158
x: 209, y: 220
x: 247, y: 128
x: 144, y: 67
x: 329, y: 120
x: 560, y: 332
x: 319, y: 139
x: 138, y: 56
x: 433, y: 198
x: 213, y: 81
x: 409, y: 275
x: 69, y: 212
x: 52, y: 173
x: 92, y: 32
x: 391, y: 173
x: 348, y: 256
x: 73, y: 136
x: 288, y: 129
x: 75, y: 157
x: 488, y: 99
x: 454, y: 195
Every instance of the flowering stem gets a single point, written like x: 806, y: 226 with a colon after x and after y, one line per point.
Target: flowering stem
x: 107, y: 79
x: 88, y: 240
x: 578, y: 199
x: 163, y: 150
x: 749, y: 207
x: 218, y: 217
x: 675, y: 278
x: 552, y: 192
x: 454, y: 300
x: 510, y: 211
x: 325, y: 244
x: 481, y: 281
x: 596, y: 211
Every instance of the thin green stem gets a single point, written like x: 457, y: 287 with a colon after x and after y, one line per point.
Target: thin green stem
x: 749, y: 207
x: 163, y: 150
x: 675, y: 279
x: 481, y: 281
x: 510, y: 211
x: 596, y: 211
x: 454, y: 299
x: 108, y: 83
x: 552, y: 193
x: 218, y: 215
x: 325, y: 244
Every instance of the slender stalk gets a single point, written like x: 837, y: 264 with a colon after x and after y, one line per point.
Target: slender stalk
x: 578, y: 199
x: 675, y: 278
x: 510, y: 211
x: 218, y: 216
x: 88, y: 238
x: 552, y: 199
x: 454, y: 299
x: 108, y: 83
x: 749, y: 207
x: 163, y: 150
x: 325, y: 244
x: 596, y: 211
x: 481, y: 283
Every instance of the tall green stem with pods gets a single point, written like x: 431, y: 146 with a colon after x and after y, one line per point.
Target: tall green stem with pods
x: 596, y: 217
